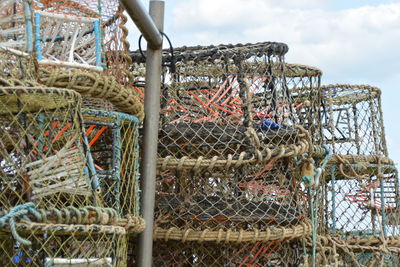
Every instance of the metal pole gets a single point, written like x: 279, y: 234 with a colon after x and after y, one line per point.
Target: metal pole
x: 147, y: 26
x: 150, y: 137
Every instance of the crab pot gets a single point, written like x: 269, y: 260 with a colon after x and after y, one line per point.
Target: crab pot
x: 233, y: 206
x: 113, y: 141
x: 352, y: 120
x: 226, y: 103
x: 358, y: 219
x: 266, y: 253
x: 361, y: 199
x: 302, y: 82
x: 357, y: 251
x: 79, y: 34
x: 15, y: 67
x: 66, y: 245
x: 43, y: 154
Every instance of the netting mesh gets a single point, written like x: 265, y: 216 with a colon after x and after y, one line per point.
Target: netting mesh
x: 226, y: 141
x: 268, y: 253
x: 57, y: 169
x: 15, y: 67
x: 354, y: 123
x: 226, y: 157
x: 113, y: 140
x: 303, y: 83
x: 84, y: 34
x: 249, y: 199
x: 40, y: 150
x: 66, y: 245
x: 358, y: 211
x: 225, y: 106
x: 349, y: 119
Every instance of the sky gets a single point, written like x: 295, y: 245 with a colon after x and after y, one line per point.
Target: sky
x: 351, y: 41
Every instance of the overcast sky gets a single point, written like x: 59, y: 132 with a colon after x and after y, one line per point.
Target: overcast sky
x: 351, y: 41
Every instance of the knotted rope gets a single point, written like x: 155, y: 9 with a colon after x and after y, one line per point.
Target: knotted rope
x: 17, y: 212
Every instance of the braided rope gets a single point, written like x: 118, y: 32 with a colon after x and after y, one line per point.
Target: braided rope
x: 66, y: 219
x: 273, y: 233
x: 302, y: 146
x: 15, y: 213
x: 94, y: 85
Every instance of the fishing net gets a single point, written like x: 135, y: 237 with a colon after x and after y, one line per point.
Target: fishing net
x: 15, y: 66
x: 231, y: 205
x: 225, y: 143
x: 224, y: 106
x: 357, y: 212
x: 277, y: 252
x: 303, y: 83
x: 70, y: 34
x: 113, y: 140
x: 41, y: 154
x: 62, y: 245
x: 71, y: 41
x: 351, y: 120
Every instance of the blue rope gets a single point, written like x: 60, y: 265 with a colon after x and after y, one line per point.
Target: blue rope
x: 18, y: 212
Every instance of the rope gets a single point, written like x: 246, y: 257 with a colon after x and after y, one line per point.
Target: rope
x: 17, y: 212
x: 303, y: 229
x: 311, y: 180
x: 95, y: 85
x: 66, y: 218
x: 263, y: 155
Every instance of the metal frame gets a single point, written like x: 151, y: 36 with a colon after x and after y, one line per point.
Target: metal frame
x: 151, y: 26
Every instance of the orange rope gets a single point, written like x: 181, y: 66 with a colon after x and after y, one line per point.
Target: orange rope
x: 90, y: 129
x: 61, y: 132
x: 97, y: 135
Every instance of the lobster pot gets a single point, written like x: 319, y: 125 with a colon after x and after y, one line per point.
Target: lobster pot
x: 67, y: 34
x: 15, y: 66
x: 66, y: 245
x: 359, y: 211
x: 264, y: 253
x: 361, y: 198
x: 113, y: 141
x: 303, y: 82
x: 42, y: 157
x: 351, y: 119
x: 357, y: 251
x: 231, y: 205
x: 227, y: 104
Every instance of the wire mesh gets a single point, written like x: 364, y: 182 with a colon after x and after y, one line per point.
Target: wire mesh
x: 225, y: 106
x: 268, y: 253
x: 351, y: 120
x: 113, y: 140
x: 359, y: 211
x: 42, y: 157
x: 83, y: 34
x: 66, y: 245
x: 220, y: 205
x: 303, y: 83
x: 15, y: 66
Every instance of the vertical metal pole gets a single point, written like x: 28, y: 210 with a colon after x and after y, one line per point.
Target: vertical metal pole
x: 150, y: 137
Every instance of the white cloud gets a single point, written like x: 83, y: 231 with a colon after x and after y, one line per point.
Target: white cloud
x: 339, y: 40
x: 358, y: 45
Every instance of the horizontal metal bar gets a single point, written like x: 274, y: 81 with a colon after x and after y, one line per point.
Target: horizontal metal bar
x: 144, y: 22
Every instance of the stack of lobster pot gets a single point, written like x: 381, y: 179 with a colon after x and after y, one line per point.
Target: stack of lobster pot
x: 229, y: 188
x: 69, y: 171
x: 356, y: 202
